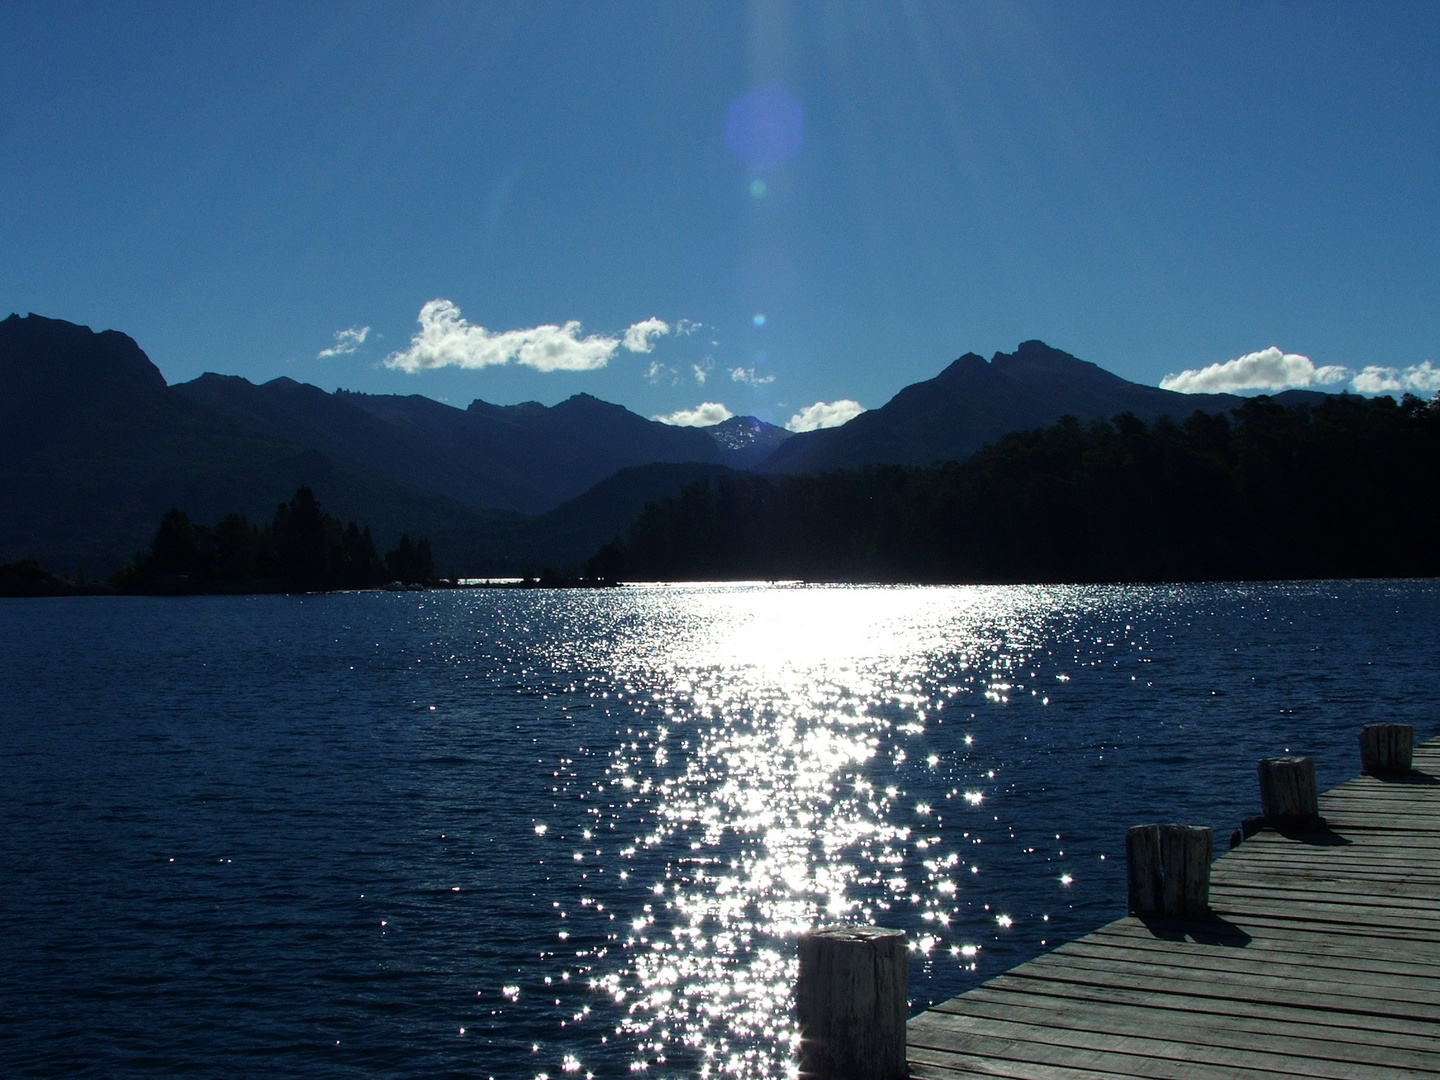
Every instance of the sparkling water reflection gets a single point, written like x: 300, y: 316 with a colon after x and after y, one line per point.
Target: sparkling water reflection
x: 799, y: 720
x: 547, y: 834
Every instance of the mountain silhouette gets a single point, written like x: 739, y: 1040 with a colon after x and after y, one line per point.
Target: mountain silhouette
x: 974, y: 402
x: 526, y: 458
x: 95, y: 447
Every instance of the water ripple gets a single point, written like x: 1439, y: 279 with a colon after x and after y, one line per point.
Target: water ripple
x: 555, y: 834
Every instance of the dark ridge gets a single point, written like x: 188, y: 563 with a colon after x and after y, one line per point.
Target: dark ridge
x: 94, y: 447
x: 1332, y: 490
x: 972, y: 403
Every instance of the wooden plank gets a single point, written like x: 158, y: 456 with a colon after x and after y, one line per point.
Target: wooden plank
x: 1186, y: 1014
x: 1355, y: 803
x: 1321, y: 948
x: 1387, y: 897
x: 1244, y: 986
x: 1400, y: 873
x: 1153, y: 1042
x: 1423, y: 847
x: 1424, y: 842
x: 1392, y: 824
x: 1303, y: 876
x: 1260, y: 920
x: 1339, y: 970
x: 1025, y: 1047
x: 1407, y: 886
x: 1360, y: 866
x: 1417, y: 782
x: 925, y: 1062
x: 1361, y: 845
x: 1401, y: 795
x: 1372, y: 886
x: 1172, y: 1003
x: 1311, y: 910
x: 1199, y: 1029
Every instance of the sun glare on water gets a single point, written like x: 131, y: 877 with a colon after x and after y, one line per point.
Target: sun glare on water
x: 765, y: 787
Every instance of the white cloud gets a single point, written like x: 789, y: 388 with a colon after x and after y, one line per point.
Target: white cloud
x: 825, y: 414
x: 1270, y: 370
x: 703, y: 415
x: 346, y: 342
x: 702, y: 371
x: 445, y: 339
x: 1266, y: 370
x: 1415, y: 379
x: 641, y: 336
x: 657, y: 371
x: 748, y: 376
x: 686, y: 327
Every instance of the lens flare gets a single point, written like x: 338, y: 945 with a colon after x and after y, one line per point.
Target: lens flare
x: 765, y: 127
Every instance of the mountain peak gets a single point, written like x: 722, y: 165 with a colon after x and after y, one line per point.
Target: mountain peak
x: 967, y: 365
x: 1036, y: 348
x: 40, y: 349
x: 587, y: 403
x: 746, y: 441
x: 525, y: 408
x: 59, y: 377
x: 1033, y: 354
x: 973, y: 402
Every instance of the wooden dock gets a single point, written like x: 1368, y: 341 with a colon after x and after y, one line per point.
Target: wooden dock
x: 1322, y: 959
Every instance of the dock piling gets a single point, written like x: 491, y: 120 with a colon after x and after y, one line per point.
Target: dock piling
x: 1386, y: 749
x: 851, y: 999
x: 1142, y: 869
x: 1185, y: 853
x: 1287, y: 791
x: 1168, y: 869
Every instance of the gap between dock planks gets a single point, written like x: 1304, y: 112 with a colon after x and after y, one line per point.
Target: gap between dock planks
x: 1322, y: 959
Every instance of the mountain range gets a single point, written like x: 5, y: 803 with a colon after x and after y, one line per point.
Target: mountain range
x: 95, y: 446
x: 974, y: 402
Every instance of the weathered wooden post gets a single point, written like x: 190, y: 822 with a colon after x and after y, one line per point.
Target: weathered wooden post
x: 851, y: 999
x: 1185, y: 853
x: 1287, y: 791
x: 1142, y: 869
x: 1386, y: 749
x: 1168, y: 869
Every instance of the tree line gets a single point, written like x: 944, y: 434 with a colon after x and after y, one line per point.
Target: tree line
x: 1343, y: 488
x: 302, y: 549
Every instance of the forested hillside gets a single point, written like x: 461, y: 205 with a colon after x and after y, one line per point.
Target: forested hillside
x: 1345, y: 487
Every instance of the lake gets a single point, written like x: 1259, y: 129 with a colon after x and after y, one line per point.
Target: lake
x: 506, y: 833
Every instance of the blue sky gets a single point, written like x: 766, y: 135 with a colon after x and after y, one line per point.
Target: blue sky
x: 1155, y: 188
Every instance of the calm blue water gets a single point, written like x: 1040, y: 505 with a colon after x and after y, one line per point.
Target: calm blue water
x: 523, y: 834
